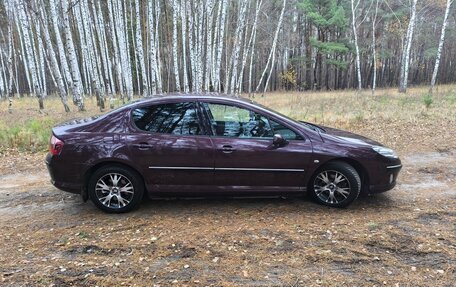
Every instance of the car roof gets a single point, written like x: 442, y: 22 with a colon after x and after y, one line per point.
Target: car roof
x: 193, y: 96
x: 183, y: 96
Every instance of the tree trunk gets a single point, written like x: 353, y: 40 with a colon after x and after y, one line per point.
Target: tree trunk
x: 183, y: 6
x: 55, y: 69
x: 271, y: 57
x: 406, y: 50
x: 441, y: 42
x: 374, y: 51
x: 355, y: 34
x: 140, y: 50
x: 175, y: 8
x: 78, y: 99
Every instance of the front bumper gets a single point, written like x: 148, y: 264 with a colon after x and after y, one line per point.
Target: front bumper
x: 387, y: 178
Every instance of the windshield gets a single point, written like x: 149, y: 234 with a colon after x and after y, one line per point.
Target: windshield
x: 306, y: 124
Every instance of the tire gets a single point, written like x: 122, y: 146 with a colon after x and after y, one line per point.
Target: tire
x: 116, y: 189
x: 336, y: 184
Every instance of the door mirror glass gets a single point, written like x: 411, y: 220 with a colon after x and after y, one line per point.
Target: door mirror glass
x: 278, y: 140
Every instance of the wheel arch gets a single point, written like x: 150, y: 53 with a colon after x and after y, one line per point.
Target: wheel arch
x: 360, y: 169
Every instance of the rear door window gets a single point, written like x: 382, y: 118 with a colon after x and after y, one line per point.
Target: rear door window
x: 174, y: 118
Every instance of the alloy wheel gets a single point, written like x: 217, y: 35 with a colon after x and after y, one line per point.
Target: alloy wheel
x: 332, y: 187
x: 114, y: 190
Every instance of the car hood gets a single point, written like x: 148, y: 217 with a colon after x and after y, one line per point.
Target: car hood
x: 343, y: 137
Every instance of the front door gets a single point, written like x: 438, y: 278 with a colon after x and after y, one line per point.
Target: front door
x: 245, y: 157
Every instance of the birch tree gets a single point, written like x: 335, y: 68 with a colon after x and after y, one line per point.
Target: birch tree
x: 152, y: 48
x: 175, y: 7
x: 60, y: 48
x: 354, y: 7
x: 140, y: 50
x: 55, y: 68
x: 31, y: 62
x: 9, y: 13
x: 441, y: 42
x: 183, y: 5
x: 406, y: 50
x: 231, y: 86
x: 271, y: 58
x: 219, y: 50
x: 250, y: 48
x: 374, y: 50
x: 78, y: 99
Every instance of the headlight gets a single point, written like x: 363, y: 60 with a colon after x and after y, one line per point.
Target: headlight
x: 384, y: 151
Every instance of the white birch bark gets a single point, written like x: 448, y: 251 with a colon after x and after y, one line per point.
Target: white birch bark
x: 60, y: 48
x: 54, y: 67
x: 2, y: 75
x: 236, y: 49
x: 116, y: 60
x: 209, y: 44
x: 152, y: 50
x: 199, y: 46
x: 374, y: 50
x: 214, y: 43
x: 9, y: 91
x: 218, y: 60
x: 78, y: 99
x: 175, y: 8
x: 92, y: 55
x: 406, y: 50
x: 355, y: 34
x: 249, y: 47
x: 26, y: 32
x: 38, y: 50
x: 271, y: 57
x: 122, y: 39
x: 109, y: 80
x: 184, y: 43
x: 192, y: 50
x: 84, y: 51
x: 441, y: 42
x: 22, y: 55
x: 135, y: 54
x: 140, y: 50
x: 157, y: 47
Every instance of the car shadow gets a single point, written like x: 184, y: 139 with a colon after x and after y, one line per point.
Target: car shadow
x: 247, y: 204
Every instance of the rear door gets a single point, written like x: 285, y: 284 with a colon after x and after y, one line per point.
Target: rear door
x: 246, y: 159
x: 171, y: 146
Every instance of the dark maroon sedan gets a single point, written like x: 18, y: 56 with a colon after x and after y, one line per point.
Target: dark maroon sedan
x: 187, y: 145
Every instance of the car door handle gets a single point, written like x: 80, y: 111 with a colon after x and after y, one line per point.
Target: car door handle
x: 227, y: 149
x: 142, y: 146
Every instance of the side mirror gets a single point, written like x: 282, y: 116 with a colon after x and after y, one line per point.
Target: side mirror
x: 278, y: 140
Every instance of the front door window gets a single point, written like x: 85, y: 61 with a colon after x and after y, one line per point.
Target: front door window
x: 235, y: 122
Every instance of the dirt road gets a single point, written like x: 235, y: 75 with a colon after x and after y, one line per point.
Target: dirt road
x: 405, y: 237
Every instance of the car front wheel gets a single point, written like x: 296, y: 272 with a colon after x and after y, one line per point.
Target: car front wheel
x: 337, y: 184
x: 115, y: 189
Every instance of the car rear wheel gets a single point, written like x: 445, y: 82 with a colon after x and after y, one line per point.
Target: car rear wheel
x: 337, y: 184
x: 116, y: 189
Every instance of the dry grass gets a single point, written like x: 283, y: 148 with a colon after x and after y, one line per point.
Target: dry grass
x: 401, y: 121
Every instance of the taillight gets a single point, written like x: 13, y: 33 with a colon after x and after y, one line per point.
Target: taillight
x: 55, y: 145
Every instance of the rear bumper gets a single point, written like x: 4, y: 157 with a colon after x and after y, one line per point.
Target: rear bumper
x: 58, y: 178
x: 388, y: 179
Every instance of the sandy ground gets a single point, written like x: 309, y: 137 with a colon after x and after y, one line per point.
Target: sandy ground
x: 405, y: 237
